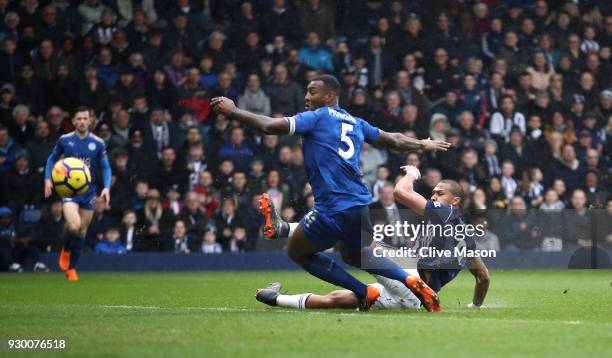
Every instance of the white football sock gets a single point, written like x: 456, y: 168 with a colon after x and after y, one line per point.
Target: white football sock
x: 293, y: 301
x: 292, y: 227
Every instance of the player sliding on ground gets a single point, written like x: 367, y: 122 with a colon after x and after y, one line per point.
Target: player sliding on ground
x: 78, y: 211
x: 332, y: 141
x: 393, y: 295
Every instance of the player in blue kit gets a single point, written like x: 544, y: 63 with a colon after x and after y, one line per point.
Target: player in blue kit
x: 442, y: 210
x: 332, y: 141
x: 78, y: 211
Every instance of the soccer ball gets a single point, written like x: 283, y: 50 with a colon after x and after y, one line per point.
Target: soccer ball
x: 71, y: 177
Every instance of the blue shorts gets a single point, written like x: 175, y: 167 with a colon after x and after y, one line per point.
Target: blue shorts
x: 440, y: 277
x: 85, y: 201
x: 347, y: 226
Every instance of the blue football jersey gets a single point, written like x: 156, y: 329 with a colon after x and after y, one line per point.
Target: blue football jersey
x: 332, y: 141
x: 91, y: 150
x: 452, y: 235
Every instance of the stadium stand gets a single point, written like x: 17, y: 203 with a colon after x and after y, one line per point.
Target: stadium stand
x: 521, y: 88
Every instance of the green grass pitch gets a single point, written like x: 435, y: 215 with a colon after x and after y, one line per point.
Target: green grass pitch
x: 213, y: 314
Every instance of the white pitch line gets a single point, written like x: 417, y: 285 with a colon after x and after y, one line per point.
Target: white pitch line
x: 349, y: 314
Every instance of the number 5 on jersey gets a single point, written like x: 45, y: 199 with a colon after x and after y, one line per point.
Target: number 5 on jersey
x: 346, y: 154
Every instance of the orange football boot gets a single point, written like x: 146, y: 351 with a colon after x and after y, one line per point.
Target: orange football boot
x: 427, y: 296
x: 71, y: 275
x: 267, y: 210
x: 64, y: 260
x: 372, y: 295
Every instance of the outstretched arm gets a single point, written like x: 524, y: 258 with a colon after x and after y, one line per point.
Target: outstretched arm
x: 264, y: 124
x: 400, y: 141
x: 481, y: 275
x: 404, y: 190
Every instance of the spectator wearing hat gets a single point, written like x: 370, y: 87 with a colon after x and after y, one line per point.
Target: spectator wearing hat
x: 155, y: 223
x: 604, y: 108
x: 123, y: 171
x: 7, y: 103
x: 349, y: 86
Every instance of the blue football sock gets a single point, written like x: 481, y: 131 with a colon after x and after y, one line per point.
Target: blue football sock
x: 68, y: 240
x: 325, y: 268
x: 382, y: 266
x: 75, y: 250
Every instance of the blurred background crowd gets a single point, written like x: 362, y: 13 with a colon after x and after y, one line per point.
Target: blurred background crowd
x: 522, y: 89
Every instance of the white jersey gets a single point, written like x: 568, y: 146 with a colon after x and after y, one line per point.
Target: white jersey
x: 395, y: 295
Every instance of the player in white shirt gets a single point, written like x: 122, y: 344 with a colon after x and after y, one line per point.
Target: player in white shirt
x: 393, y: 296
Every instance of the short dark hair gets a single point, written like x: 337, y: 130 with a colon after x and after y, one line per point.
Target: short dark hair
x: 455, y: 188
x: 330, y: 82
x: 81, y: 109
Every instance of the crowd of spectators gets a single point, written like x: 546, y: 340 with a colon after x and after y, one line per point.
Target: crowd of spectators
x: 522, y: 89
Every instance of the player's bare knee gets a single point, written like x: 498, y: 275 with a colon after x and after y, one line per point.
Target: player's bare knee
x: 74, y: 227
